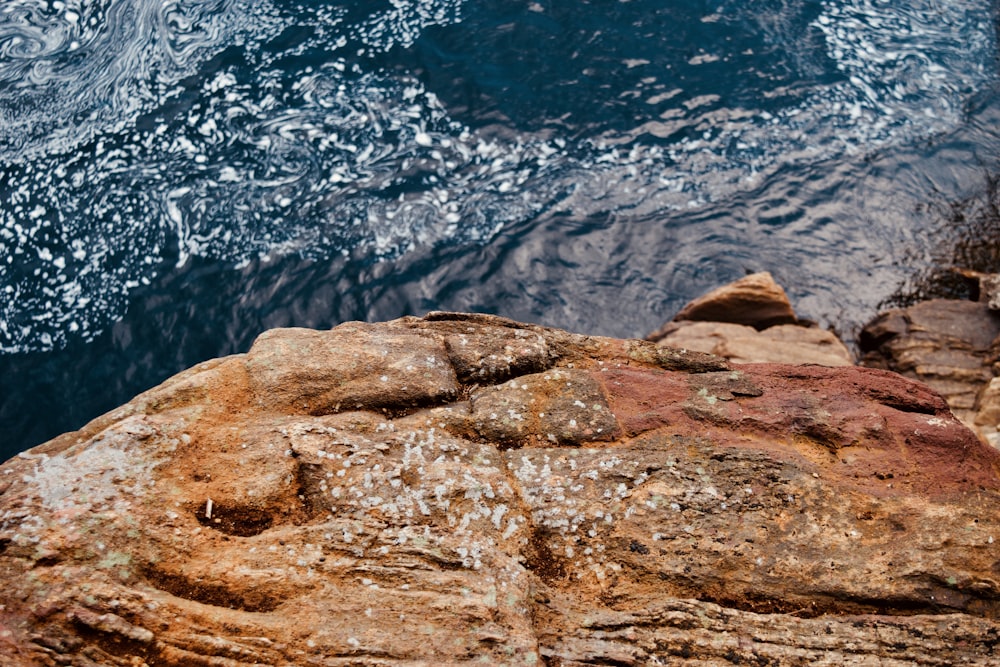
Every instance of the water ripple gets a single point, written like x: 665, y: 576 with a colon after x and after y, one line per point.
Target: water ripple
x: 134, y: 132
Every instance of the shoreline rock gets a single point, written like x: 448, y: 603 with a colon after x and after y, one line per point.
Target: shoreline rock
x: 459, y: 488
x: 951, y: 345
x: 755, y: 300
x: 751, y: 320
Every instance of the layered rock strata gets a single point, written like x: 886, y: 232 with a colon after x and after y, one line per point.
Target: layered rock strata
x: 952, y: 346
x: 742, y: 344
x: 467, y: 489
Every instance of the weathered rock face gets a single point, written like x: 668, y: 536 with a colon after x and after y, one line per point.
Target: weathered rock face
x: 751, y: 321
x: 983, y: 287
x: 950, y: 345
x: 466, y: 489
x: 783, y: 343
x: 755, y: 300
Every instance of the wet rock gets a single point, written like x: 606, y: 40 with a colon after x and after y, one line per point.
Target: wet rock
x: 948, y: 344
x: 755, y: 300
x: 983, y: 287
x: 530, y: 496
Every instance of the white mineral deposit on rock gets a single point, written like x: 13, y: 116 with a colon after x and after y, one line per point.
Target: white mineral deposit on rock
x: 462, y: 488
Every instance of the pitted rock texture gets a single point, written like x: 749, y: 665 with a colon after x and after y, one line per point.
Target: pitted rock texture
x: 467, y: 489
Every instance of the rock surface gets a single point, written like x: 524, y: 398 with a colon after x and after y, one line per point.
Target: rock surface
x: 983, y: 287
x: 466, y: 489
x: 950, y: 345
x: 751, y: 321
x: 755, y: 300
x: 987, y: 418
x: 784, y: 343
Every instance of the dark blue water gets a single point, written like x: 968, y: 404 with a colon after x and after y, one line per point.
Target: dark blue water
x: 177, y: 177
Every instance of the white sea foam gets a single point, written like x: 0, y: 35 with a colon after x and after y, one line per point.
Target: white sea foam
x: 133, y: 130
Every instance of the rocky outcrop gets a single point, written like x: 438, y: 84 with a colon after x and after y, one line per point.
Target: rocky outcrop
x: 950, y: 345
x: 466, y: 489
x: 751, y: 321
x: 784, y: 343
x: 755, y: 300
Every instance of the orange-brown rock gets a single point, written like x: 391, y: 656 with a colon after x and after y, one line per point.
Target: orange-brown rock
x: 751, y: 321
x: 755, y: 300
x: 466, y: 489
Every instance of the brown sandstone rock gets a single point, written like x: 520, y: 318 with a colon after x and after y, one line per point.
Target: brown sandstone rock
x: 755, y: 300
x: 508, y: 494
x: 950, y: 345
x: 784, y: 343
x: 751, y: 321
x: 987, y: 417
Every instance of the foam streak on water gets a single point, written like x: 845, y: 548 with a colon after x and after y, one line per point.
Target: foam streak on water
x: 134, y: 131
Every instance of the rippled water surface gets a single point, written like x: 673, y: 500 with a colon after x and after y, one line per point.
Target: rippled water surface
x: 176, y: 177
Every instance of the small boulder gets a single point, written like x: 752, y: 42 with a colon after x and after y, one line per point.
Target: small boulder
x: 751, y: 321
x: 741, y: 344
x: 755, y: 300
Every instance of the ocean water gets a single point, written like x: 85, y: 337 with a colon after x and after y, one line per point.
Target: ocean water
x: 177, y: 176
